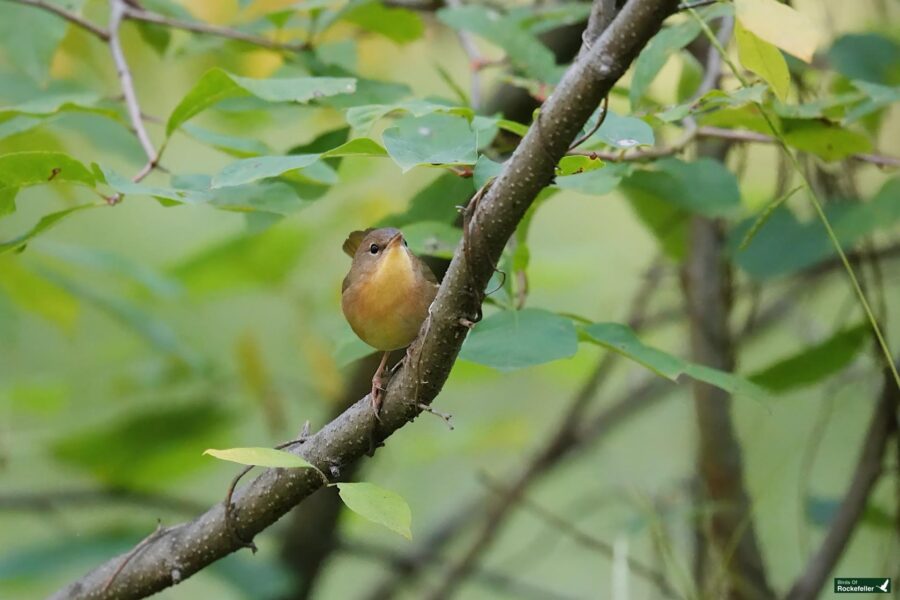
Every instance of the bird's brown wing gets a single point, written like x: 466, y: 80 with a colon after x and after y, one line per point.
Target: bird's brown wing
x: 354, y: 239
x: 426, y: 271
x: 346, y: 283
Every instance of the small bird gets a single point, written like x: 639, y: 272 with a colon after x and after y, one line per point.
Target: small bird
x: 386, y: 295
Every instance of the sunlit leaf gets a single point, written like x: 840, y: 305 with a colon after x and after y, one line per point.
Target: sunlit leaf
x: 216, y: 85
x: 378, y: 505
x: 764, y: 59
x: 515, y: 339
x: 780, y: 25
x: 261, y: 457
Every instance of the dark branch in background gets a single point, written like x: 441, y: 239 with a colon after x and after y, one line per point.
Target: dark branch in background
x: 59, y: 499
x: 868, y: 469
x: 708, y: 291
x: 185, y: 549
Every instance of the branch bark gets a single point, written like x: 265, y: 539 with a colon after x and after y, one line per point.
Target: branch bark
x: 186, y: 548
x: 868, y: 469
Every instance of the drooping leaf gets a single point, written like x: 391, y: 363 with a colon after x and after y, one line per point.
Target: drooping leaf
x: 814, y: 363
x: 43, y: 224
x: 397, y: 24
x: 378, y: 505
x: 261, y: 457
x: 249, y: 170
x: 515, y: 339
x: 126, y: 186
x: 216, y: 85
x: 785, y: 245
x: 270, y: 197
x: 434, y: 139
x: 780, y: 25
x: 229, y: 144
x: 362, y: 117
x: 621, y: 339
x: 764, y: 59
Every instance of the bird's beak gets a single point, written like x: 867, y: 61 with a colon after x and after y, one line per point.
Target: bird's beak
x: 397, y: 240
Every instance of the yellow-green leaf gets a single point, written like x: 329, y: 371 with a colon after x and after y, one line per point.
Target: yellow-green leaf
x: 378, y: 505
x: 764, y: 59
x: 261, y: 457
x: 781, y: 25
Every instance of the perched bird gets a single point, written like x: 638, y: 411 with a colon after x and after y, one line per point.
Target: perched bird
x: 386, y: 294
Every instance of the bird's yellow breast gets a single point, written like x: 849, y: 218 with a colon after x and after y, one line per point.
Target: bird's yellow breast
x: 387, y: 307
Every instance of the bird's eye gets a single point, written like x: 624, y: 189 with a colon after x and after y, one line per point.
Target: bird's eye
x: 404, y: 243
x: 373, y: 248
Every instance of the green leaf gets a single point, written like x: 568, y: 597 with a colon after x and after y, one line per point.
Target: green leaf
x: 878, y: 96
x: 485, y: 170
x: 435, y: 139
x: 780, y: 25
x: 229, y: 144
x: 764, y: 59
x: 435, y: 202
x: 45, y: 223
x: 357, y: 147
x: 363, y: 117
x: 576, y: 164
x: 378, y: 505
x: 826, y: 140
x: 785, y: 245
x: 55, y: 103
x: 515, y: 339
x: 655, y: 54
x: 620, y: 132
x: 125, y: 186
x: 216, y: 85
x: 261, y: 457
x: 23, y: 169
x: 814, y: 363
x: 432, y: 238
x: 522, y: 48
x: 621, y: 339
x: 24, y: 48
x: 397, y: 24
x: 249, y: 170
x: 703, y: 186
x: 596, y: 182
x: 870, y: 57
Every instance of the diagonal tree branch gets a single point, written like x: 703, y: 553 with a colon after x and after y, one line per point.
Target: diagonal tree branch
x: 73, y: 18
x: 868, y: 470
x: 184, y: 549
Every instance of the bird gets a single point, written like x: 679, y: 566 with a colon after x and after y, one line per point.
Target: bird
x: 387, y: 294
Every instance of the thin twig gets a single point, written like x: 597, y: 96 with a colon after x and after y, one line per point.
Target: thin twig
x: 134, y: 551
x: 138, y: 14
x: 73, y: 18
x: 117, y: 10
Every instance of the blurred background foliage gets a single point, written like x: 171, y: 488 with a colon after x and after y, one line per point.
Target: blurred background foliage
x: 136, y: 335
